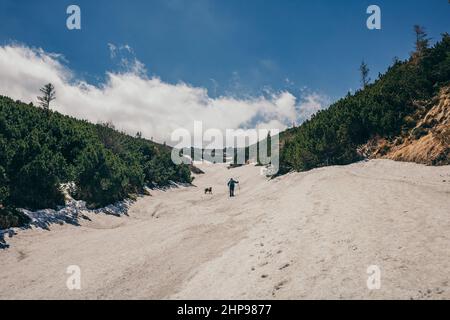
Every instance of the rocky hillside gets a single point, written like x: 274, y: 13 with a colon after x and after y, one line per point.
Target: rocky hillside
x: 427, y: 142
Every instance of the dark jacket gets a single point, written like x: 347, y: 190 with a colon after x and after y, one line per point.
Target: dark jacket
x: 232, y: 183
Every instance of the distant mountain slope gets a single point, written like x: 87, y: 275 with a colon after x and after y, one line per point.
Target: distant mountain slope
x: 40, y: 150
x: 382, y: 109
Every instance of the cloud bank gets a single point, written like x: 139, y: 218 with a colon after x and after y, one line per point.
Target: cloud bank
x: 134, y: 102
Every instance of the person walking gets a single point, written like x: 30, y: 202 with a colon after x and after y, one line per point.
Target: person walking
x: 232, y: 184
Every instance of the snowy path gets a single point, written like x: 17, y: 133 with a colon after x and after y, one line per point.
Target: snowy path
x: 308, y: 235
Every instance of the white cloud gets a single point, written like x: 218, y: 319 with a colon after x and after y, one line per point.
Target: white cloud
x: 311, y: 103
x: 112, y: 50
x: 134, y: 102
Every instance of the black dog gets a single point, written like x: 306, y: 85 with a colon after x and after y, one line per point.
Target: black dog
x: 208, y: 190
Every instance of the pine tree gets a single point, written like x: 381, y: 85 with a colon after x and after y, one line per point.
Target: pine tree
x: 49, y: 94
x: 422, y: 40
x: 364, y: 69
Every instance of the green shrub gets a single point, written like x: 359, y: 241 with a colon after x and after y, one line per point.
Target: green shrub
x: 41, y: 150
x: 11, y: 218
x: 101, y: 177
x: 418, y: 133
x: 4, y: 190
x: 37, y: 183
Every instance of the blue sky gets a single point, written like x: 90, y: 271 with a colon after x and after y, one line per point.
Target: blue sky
x: 230, y: 47
x: 231, y: 64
